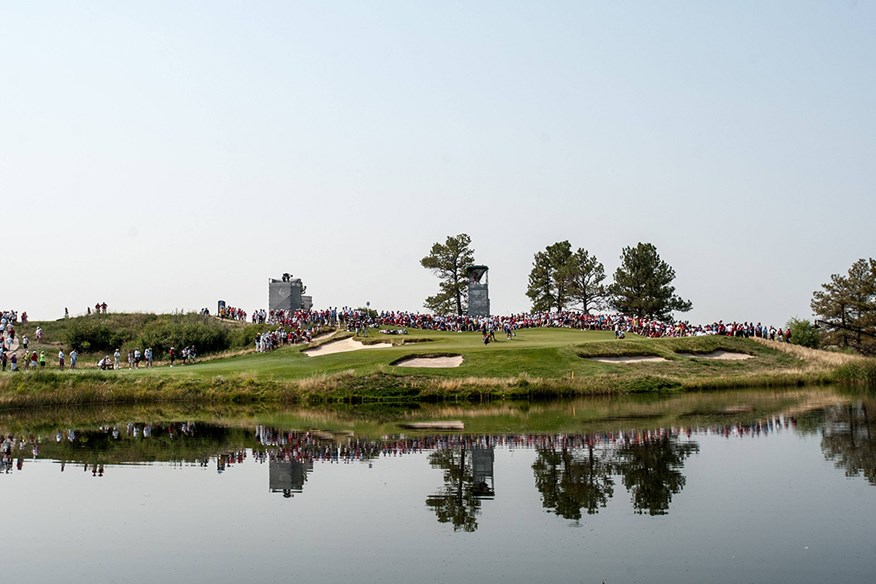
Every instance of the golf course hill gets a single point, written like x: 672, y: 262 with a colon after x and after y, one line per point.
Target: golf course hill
x: 419, y: 365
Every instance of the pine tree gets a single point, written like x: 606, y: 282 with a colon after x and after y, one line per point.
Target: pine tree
x: 643, y: 285
x: 449, y: 261
x: 846, y: 307
x: 550, y: 277
x: 585, y: 287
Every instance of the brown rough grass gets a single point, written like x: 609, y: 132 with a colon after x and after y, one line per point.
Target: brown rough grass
x: 813, y: 356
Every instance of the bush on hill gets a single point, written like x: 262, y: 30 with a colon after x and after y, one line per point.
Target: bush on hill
x: 207, y: 335
x: 92, y: 335
x: 804, y: 333
x: 105, y: 334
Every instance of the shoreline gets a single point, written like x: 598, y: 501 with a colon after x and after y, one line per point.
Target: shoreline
x: 39, y: 389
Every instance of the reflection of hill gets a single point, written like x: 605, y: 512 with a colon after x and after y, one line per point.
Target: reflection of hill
x: 576, y: 473
x: 143, y: 443
x: 588, y: 415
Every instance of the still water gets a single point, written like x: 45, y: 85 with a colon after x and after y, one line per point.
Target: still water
x: 730, y: 487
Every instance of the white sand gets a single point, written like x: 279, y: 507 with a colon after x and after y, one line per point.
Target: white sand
x: 720, y: 355
x: 344, y: 346
x: 639, y: 359
x: 435, y: 362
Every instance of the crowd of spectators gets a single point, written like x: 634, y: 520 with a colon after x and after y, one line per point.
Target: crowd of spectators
x: 572, y: 319
x: 232, y: 313
x: 301, y: 326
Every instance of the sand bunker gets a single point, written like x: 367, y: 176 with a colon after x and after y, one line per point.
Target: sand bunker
x: 636, y: 359
x: 720, y: 355
x: 436, y: 362
x: 343, y: 347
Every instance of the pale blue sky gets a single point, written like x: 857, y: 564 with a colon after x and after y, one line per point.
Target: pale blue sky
x: 163, y: 155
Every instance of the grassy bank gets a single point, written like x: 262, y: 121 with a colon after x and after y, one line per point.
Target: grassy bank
x: 537, y: 363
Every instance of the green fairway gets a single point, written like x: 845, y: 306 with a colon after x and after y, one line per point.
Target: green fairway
x: 558, y: 354
x: 537, y: 352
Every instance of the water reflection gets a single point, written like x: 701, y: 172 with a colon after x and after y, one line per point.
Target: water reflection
x: 468, y: 479
x: 651, y: 470
x: 288, y: 476
x: 575, y: 474
x: 847, y: 439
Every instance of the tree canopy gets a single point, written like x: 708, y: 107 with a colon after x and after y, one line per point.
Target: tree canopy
x: 643, y: 285
x: 561, y: 279
x: 846, y: 308
x: 549, y: 278
x: 449, y: 261
x: 586, y: 275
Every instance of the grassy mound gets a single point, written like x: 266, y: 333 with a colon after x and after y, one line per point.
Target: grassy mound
x: 536, y: 363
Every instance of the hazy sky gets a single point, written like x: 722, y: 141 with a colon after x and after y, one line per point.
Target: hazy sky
x: 163, y: 155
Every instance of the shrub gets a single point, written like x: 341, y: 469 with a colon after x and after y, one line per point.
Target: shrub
x: 180, y: 331
x: 804, y: 333
x: 97, y: 335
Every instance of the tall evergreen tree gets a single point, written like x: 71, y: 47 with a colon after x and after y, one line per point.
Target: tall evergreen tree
x: 643, y: 285
x: 449, y: 261
x: 846, y: 307
x: 549, y: 279
x: 586, y: 274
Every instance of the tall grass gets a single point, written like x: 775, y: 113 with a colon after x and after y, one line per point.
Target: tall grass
x: 861, y: 372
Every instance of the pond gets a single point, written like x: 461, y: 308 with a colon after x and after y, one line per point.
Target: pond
x: 721, y: 487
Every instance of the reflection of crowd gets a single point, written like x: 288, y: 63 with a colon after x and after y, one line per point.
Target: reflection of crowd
x: 308, y: 447
x: 225, y: 460
x: 10, y: 444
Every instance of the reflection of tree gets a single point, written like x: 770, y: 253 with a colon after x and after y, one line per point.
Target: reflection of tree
x: 458, y: 502
x: 847, y: 440
x: 651, y: 470
x: 570, y: 481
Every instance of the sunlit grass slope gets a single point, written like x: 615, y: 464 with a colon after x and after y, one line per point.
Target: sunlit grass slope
x: 535, y: 363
